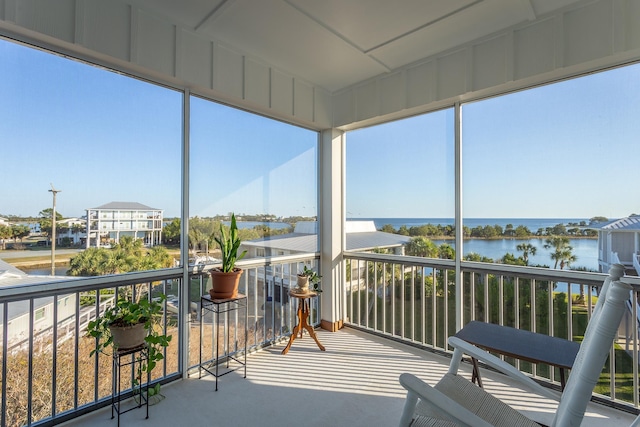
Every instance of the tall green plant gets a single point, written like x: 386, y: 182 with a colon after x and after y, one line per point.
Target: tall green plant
x: 229, y: 245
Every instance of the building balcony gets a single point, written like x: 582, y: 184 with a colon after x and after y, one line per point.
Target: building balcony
x: 392, y: 327
x: 355, y: 383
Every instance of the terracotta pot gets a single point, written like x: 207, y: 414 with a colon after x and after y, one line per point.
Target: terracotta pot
x: 126, y: 337
x: 303, y: 284
x: 224, y: 285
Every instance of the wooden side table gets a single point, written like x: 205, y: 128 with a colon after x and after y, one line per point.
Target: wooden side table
x: 303, y: 318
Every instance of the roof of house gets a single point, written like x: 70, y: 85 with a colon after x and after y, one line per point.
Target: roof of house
x: 631, y: 223
x: 361, y: 236
x: 12, y: 276
x: 130, y: 206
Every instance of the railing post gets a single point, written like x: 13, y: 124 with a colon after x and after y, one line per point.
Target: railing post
x: 183, y: 309
x: 458, y: 212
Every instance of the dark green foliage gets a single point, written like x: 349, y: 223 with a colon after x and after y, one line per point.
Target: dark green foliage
x: 229, y: 245
x: 314, y: 278
x: 127, y: 256
x: 127, y: 312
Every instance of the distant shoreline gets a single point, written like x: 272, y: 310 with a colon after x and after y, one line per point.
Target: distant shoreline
x: 513, y: 238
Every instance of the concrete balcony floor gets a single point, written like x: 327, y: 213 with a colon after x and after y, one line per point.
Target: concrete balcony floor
x: 353, y: 383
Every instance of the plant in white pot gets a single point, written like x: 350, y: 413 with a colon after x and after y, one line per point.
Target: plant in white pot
x: 225, y: 279
x: 306, y: 278
x: 129, y: 324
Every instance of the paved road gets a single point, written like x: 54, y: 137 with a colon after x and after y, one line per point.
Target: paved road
x: 41, y: 253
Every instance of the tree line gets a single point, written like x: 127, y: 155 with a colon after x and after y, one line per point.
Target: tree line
x: 15, y: 232
x: 561, y: 254
x: 19, y: 231
x: 203, y: 231
x: 494, y: 231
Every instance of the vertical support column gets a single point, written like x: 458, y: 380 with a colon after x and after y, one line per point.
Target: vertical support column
x: 458, y: 211
x: 183, y: 342
x: 331, y: 227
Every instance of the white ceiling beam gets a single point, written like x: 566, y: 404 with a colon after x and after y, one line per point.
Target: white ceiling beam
x: 528, y: 9
x: 214, y: 14
x: 335, y: 33
x: 421, y: 27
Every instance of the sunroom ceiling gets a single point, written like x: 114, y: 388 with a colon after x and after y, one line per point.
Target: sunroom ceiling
x: 338, y: 43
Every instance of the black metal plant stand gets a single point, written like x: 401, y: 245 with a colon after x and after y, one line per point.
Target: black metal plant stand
x: 124, y: 358
x: 217, y: 307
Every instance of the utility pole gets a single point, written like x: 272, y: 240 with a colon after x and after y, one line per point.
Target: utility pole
x: 53, y: 231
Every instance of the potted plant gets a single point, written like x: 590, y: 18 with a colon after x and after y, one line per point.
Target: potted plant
x: 129, y: 324
x: 308, y: 277
x: 225, y: 279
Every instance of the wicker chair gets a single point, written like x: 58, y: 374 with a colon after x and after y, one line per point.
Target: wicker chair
x: 455, y: 401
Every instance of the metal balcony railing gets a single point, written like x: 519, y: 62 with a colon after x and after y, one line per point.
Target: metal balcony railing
x: 47, y: 370
x: 48, y: 375
x: 414, y: 300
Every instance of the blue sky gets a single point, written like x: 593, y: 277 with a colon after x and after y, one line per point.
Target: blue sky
x: 79, y: 128
x: 250, y: 164
x: 567, y: 150
x: 102, y: 137
x: 563, y: 150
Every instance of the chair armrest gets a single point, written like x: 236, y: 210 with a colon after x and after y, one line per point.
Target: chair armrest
x: 418, y: 388
x: 501, y: 366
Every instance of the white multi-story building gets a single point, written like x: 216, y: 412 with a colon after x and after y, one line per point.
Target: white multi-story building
x: 74, y: 229
x: 619, y: 243
x: 107, y: 223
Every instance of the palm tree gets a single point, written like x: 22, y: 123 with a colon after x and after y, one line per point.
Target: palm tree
x: 562, y: 250
x: 90, y: 262
x: 526, y: 248
x: 5, y: 233
x: 422, y: 247
x: 563, y: 254
x: 160, y: 258
x: 567, y: 258
x: 126, y: 256
x: 196, y: 237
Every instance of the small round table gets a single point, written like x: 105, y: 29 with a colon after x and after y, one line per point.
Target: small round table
x: 303, y: 316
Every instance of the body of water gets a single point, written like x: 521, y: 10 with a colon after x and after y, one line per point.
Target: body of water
x: 39, y: 271
x: 532, y: 224
x: 586, y: 250
x: 250, y: 224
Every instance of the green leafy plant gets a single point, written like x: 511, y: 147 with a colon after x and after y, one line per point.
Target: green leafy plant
x: 314, y: 278
x: 125, y: 313
x: 229, y: 245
